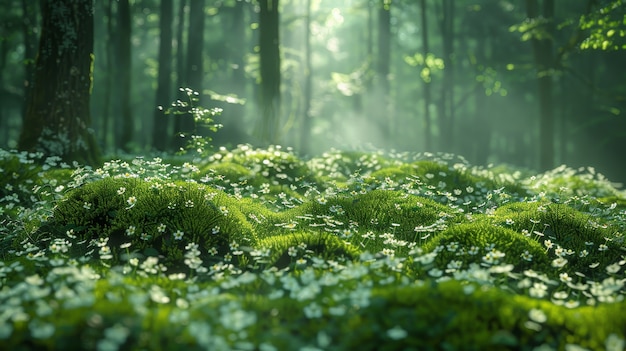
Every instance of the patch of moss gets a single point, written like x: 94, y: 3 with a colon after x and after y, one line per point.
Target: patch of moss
x: 286, y: 249
x: 155, y: 218
x: 557, y: 225
x: 485, y: 243
x: 454, y: 316
x: 274, y: 165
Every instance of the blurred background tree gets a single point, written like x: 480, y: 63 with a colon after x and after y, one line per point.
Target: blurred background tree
x: 532, y: 83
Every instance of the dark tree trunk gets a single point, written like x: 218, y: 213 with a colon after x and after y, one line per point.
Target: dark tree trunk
x: 270, y: 71
x: 427, y: 92
x: 544, y: 58
x: 126, y: 126
x: 57, y: 119
x: 164, y: 88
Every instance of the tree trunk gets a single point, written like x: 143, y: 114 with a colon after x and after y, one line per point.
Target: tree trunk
x: 57, y: 119
x: 446, y: 108
x: 542, y: 51
x: 181, y: 74
x: 108, y: 123
x: 270, y: 100
x: 194, y: 68
x: 305, y: 133
x: 126, y: 127
x: 382, y: 67
x: 29, y: 27
x: 164, y: 88
x: 427, y: 92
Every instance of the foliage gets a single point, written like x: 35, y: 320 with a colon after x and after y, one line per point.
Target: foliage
x: 257, y: 249
x: 203, y: 120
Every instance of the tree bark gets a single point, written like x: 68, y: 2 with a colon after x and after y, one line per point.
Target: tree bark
x: 164, y: 87
x: 57, y: 119
x: 270, y: 71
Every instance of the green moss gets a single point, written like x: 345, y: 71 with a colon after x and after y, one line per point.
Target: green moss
x: 275, y: 165
x: 103, y: 210
x: 305, y: 245
x: 471, y: 242
x: 447, y: 317
x: 560, y: 225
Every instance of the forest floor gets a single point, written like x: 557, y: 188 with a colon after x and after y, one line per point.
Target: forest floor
x: 257, y: 249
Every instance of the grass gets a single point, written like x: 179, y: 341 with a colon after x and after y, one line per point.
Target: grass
x: 257, y: 249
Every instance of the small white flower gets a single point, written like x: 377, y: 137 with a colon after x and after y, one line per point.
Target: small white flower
x: 131, y: 201
x: 397, y: 333
x: 178, y: 235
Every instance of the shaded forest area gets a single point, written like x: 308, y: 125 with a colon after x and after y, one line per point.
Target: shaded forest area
x: 530, y: 83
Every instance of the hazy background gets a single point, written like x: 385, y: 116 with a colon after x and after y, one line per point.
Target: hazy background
x: 453, y: 76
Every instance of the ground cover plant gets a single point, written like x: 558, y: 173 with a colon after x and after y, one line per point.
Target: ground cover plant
x: 257, y: 249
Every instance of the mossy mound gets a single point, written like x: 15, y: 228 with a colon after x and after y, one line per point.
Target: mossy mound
x: 260, y: 250
x: 576, y: 236
x: 154, y: 218
x: 486, y: 244
x: 338, y: 165
x: 300, y: 247
x: 259, y: 166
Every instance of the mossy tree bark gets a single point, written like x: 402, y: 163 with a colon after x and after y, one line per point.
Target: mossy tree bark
x: 270, y: 71
x: 57, y: 119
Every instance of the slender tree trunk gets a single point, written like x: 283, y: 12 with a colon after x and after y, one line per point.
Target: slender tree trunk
x: 108, y: 123
x: 270, y: 71
x: 181, y: 74
x: 382, y: 67
x: 29, y: 27
x: 57, y: 120
x: 427, y: 90
x: 164, y: 88
x: 446, y: 133
x: 542, y: 51
x: 126, y: 124
x: 193, y: 69
x: 305, y: 134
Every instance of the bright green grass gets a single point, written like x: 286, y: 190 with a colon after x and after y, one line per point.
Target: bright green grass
x: 256, y: 249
